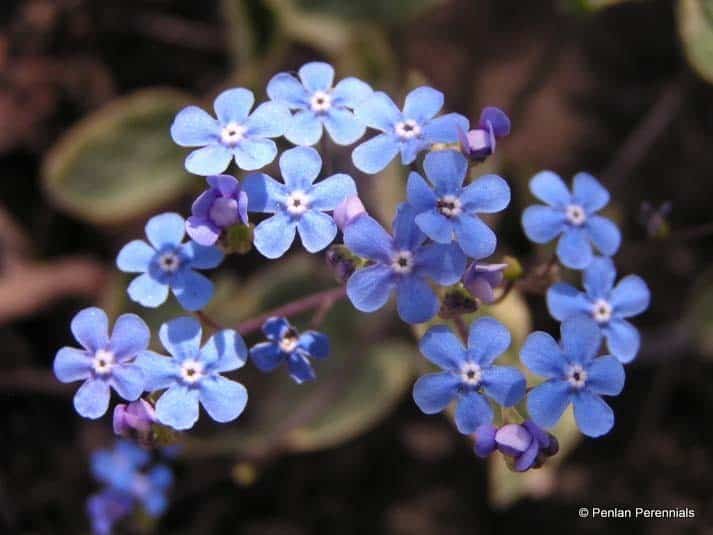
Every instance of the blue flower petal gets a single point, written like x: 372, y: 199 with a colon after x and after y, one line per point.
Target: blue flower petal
x: 599, y: 278
x: 574, y: 249
x: 300, y: 166
x: 201, y: 256
x: 435, y: 391
x: 315, y: 344
x: 593, y: 416
x: 581, y: 338
x: 446, y: 169
x: 369, y: 288
x: 266, y: 356
x: 128, y: 381
x: 445, y: 264
x: 350, y: 92
x: 317, y: 76
x: 224, y: 400
x: 589, y: 193
x: 422, y: 104
x: 565, y: 301
x: 549, y: 188
x: 542, y: 223
x: 165, y: 229
x: 343, y: 127
x: 178, y: 407
x: 227, y: 185
x: 275, y: 328
x: 202, y: 231
x: 330, y: 192
x: 605, y: 376
x: 90, y: 328
x: 498, y: 119
x: 547, y: 402
x: 304, y: 128
x: 284, y: 87
x: 623, y: 340
x: 472, y: 411
x: 159, y: 372
x: 604, y: 234
x: 300, y: 369
x: 92, y: 398
x: 193, y: 290
x: 209, y: 160
x: 475, y: 237
x: 317, y: 230
x: 444, y: 129
x: 630, y: 297
x: 542, y: 355
x: 181, y: 337
x: 487, y: 340
x: 415, y: 300
x: 504, y: 384
x: 375, y: 154
x: 525, y: 461
x: 193, y: 127
x: 487, y: 194
x: 225, y: 351
x: 274, y: 236
x: 407, y: 235
x: 420, y: 195
x: 254, y: 153
x: 410, y: 149
x: 442, y: 347
x: 436, y: 226
x: 265, y: 194
x: 129, y: 336
x: 135, y: 257
x: 367, y: 238
x: 147, y: 291
x: 269, y: 119
x: 72, y: 365
x: 378, y: 111
x: 233, y: 105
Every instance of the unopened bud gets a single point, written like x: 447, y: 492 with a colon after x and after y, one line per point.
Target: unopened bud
x: 456, y: 302
x: 341, y: 261
x: 347, y: 211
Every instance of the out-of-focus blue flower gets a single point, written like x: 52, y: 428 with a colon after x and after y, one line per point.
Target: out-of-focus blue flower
x: 104, y: 361
x: 468, y: 373
x: 221, y: 206
x: 526, y: 443
x: 572, y: 216
x: 236, y: 133
x: 607, y: 304
x: 408, y: 132
x: 573, y: 375
x: 118, y: 467
x: 106, y: 508
x: 479, y: 143
x: 447, y: 210
x: 165, y: 262
x: 318, y: 103
x: 298, y: 205
x: 192, y: 374
x: 402, y: 263
x: 287, y: 345
x: 136, y: 418
x: 481, y: 280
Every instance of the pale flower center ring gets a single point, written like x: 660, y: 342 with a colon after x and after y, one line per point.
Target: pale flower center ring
x: 191, y: 371
x: 575, y: 214
x: 402, y: 262
x: 297, y: 203
x: 103, y: 361
x: 321, y: 101
x: 232, y: 133
x: 407, y: 129
x: 601, y: 311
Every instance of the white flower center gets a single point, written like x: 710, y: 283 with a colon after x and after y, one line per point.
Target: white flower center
x: 407, y: 129
x: 471, y: 374
x: 289, y: 342
x: 169, y: 262
x: 320, y: 101
x: 103, y: 361
x: 232, y: 133
x: 191, y: 371
x: 576, y: 376
x: 297, y: 202
x: 601, y: 311
x: 402, y: 262
x: 449, y: 205
x: 575, y: 214
x: 224, y: 211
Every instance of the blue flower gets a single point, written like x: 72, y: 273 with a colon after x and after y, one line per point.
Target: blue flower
x: 479, y: 143
x: 402, y: 263
x: 104, y: 361
x: 221, y: 206
x: 166, y: 263
x: 448, y: 210
x: 287, y: 345
x: 573, y: 217
x: 106, y: 508
x: 192, y: 375
x: 527, y: 444
x: 236, y: 133
x: 607, y: 304
x: 298, y: 205
x: 573, y: 375
x: 117, y: 467
x: 468, y: 373
x: 409, y: 132
x: 318, y: 103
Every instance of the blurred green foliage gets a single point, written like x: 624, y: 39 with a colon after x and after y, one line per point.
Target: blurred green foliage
x: 695, y: 28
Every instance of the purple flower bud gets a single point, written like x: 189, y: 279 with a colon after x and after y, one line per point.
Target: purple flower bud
x: 479, y: 143
x: 221, y: 206
x: 135, y: 418
x: 482, y: 279
x: 485, y: 440
x: 513, y: 439
x: 347, y: 211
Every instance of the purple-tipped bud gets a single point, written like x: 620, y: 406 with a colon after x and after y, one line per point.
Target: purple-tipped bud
x: 482, y: 279
x: 479, y: 143
x: 221, y: 206
x: 513, y: 439
x: 485, y: 440
x: 134, y: 419
x: 347, y: 211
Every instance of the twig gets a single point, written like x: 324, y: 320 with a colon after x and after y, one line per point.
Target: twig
x: 461, y: 327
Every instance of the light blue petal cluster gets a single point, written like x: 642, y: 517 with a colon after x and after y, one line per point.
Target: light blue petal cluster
x: 166, y: 263
x: 469, y: 375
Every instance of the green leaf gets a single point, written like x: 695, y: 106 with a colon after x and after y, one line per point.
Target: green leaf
x: 589, y: 6
x: 119, y: 163
x: 384, y: 11
x: 700, y: 313
x: 695, y: 28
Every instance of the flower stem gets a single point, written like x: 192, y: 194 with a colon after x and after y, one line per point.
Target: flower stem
x: 462, y: 328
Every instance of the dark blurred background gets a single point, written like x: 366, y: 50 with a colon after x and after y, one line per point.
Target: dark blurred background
x: 618, y: 88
